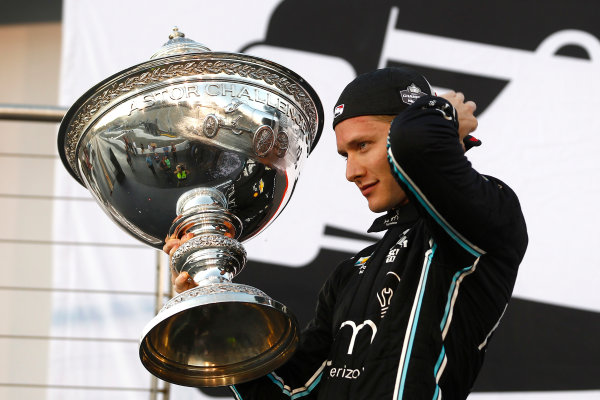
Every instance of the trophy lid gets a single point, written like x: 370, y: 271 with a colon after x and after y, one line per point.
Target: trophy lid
x: 179, y: 44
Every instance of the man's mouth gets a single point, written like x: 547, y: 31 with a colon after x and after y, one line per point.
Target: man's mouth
x: 367, y: 188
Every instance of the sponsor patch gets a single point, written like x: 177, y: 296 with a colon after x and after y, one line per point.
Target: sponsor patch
x: 362, y: 264
x: 411, y: 94
x: 361, y: 261
x: 338, y: 110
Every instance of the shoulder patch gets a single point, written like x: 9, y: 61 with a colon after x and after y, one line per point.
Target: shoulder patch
x: 361, y: 261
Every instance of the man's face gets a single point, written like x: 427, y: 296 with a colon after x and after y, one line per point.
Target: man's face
x: 363, y: 141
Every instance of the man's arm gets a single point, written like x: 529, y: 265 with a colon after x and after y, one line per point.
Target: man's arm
x: 427, y: 158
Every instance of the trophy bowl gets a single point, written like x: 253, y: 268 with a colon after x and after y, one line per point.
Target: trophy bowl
x: 208, y: 143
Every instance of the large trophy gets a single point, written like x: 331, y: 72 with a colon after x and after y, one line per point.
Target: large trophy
x: 209, y: 143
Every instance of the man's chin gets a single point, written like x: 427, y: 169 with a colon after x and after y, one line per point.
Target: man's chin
x: 377, y: 208
x: 381, y: 208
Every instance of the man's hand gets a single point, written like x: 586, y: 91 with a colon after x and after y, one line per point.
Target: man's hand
x: 467, y: 122
x: 183, y: 281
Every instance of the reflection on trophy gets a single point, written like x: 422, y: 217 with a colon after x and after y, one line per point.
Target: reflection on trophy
x: 209, y: 143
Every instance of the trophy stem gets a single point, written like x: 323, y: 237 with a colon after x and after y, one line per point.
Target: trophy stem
x: 218, y: 333
x: 213, y: 255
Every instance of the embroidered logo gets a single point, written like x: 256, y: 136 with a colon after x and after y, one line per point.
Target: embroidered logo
x: 343, y: 372
x: 338, y: 110
x: 355, y: 329
x: 362, y: 264
x: 392, y: 220
x: 385, y: 295
x: 391, y: 257
x: 385, y: 298
x: 401, y: 243
x: 346, y: 373
x: 411, y: 94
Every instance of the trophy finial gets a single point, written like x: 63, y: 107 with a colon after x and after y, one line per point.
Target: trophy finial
x: 176, y: 33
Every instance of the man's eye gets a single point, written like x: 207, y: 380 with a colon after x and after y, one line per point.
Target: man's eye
x: 362, y: 145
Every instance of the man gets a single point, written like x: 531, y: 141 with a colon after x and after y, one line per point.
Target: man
x: 409, y: 317
x: 182, y: 173
x: 150, y: 164
x: 165, y: 164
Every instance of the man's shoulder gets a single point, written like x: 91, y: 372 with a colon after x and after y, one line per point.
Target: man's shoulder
x: 509, y: 193
x: 501, y: 184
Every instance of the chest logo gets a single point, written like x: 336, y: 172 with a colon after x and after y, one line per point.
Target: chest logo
x: 356, y: 329
x: 385, y: 295
x: 401, y: 243
x: 362, y: 264
x: 385, y: 298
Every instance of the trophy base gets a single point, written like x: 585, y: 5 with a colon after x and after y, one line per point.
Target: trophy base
x: 218, y: 334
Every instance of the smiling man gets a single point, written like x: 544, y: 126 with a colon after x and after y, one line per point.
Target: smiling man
x: 362, y: 142
x: 411, y: 316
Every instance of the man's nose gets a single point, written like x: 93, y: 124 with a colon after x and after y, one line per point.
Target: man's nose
x: 354, y: 169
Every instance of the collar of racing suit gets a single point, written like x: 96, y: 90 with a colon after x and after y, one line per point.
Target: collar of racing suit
x: 404, y: 215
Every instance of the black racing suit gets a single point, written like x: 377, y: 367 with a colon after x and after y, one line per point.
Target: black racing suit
x: 410, y: 317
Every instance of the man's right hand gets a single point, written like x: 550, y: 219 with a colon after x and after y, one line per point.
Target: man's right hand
x: 183, y: 281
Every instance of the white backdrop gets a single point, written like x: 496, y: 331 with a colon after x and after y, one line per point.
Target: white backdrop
x: 541, y: 136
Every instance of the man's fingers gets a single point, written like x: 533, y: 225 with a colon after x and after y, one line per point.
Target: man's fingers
x: 471, y: 104
x: 183, y: 282
x: 467, y: 122
x: 174, y: 246
x: 186, y: 237
x: 181, y: 279
x: 173, y: 243
x: 169, y: 244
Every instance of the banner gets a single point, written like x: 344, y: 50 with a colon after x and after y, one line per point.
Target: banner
x: 534, y: 78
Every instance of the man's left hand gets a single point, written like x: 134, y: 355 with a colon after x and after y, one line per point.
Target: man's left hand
x: 467, y: 122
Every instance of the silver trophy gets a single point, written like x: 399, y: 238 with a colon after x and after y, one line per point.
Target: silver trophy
x: 210, y: 143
